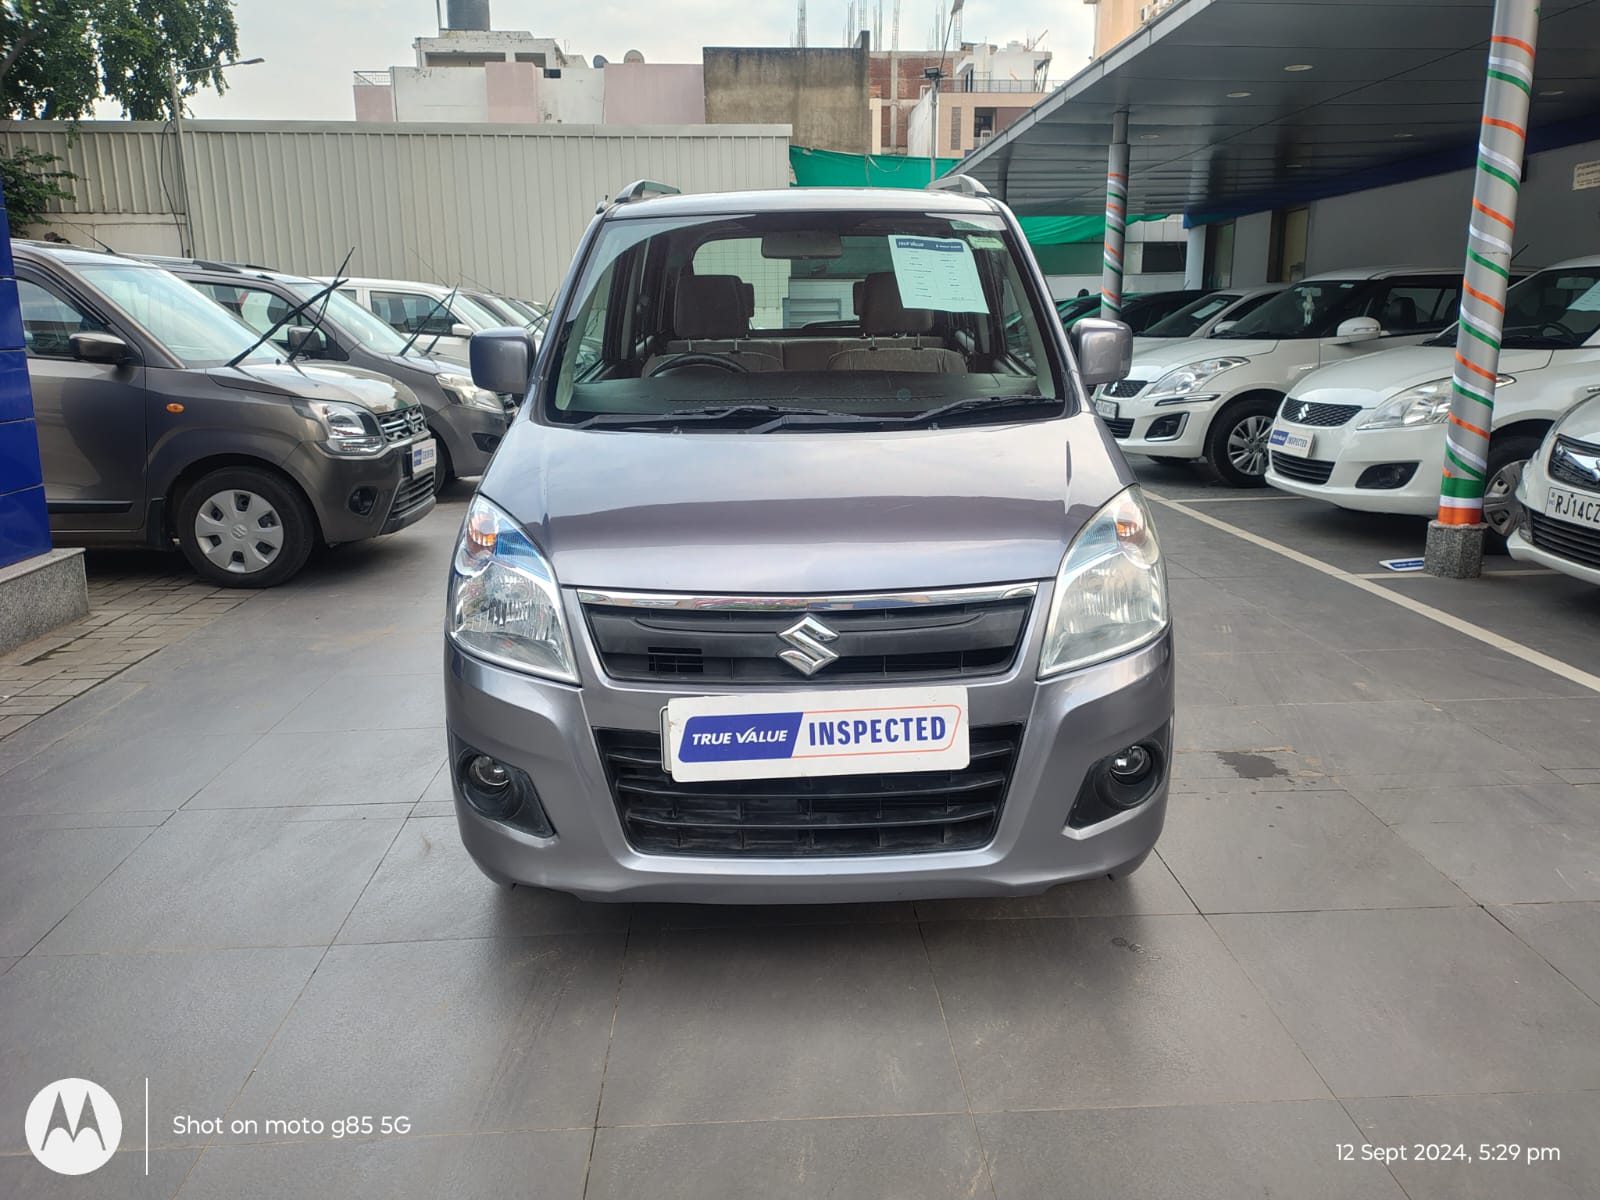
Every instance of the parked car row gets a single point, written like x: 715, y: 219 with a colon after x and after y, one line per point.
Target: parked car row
x: 241, y: 415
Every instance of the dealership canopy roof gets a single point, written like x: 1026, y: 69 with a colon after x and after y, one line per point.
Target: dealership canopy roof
x: 1237, y: 106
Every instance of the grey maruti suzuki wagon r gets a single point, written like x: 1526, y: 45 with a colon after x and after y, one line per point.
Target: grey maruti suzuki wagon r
x: 807, y: 573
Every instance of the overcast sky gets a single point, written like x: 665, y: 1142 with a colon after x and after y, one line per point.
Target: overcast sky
x: 312, y: 46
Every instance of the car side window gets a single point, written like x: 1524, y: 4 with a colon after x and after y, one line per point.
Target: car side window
x: 1415, y: 307
x: 412, y: 312
x: 49, y: 321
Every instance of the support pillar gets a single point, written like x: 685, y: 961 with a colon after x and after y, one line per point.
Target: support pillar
x: 1194, y: 257
x: 1116, y: 218
x: 1455, y: 538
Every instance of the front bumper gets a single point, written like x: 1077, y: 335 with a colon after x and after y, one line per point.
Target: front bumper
x: 357, y: 498
x: 1071, y: 723
x: 1181, y: 428
x: 1352, y: 452
x: 470, y: 435
x: 1532, y: 495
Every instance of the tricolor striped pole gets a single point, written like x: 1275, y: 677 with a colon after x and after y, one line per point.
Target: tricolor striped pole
x: 1116, y: 219
x: 1494, y: 213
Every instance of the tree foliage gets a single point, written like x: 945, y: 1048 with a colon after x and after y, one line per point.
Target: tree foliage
x: 30, y: 180
x: 58, y: 57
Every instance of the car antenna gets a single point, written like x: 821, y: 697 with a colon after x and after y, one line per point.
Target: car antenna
x: 323, y: 312
x: 423, y: 324
x: 284, y: 320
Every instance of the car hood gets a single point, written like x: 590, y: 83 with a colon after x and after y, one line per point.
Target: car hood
x: 317, y: 381
x: 1583, y: 422
x: 1159, y: 355
x: 805, y: 513
x: 1374, y: 378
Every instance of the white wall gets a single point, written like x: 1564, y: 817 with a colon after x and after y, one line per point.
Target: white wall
x: 440, y: 94
x: 1252, y: 245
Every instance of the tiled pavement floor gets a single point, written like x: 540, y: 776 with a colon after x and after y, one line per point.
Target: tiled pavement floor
x: 1374, y: 918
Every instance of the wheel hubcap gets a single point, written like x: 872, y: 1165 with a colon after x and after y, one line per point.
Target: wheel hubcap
x: 239, y: 532
x: 1247, y: 445
x: 1499, y: 499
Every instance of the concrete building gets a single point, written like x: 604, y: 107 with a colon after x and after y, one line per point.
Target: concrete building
x: 990, y: 87
x: 1114, y: 20
x: 822, y: 93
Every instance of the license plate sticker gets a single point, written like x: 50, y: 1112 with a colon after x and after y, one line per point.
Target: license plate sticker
x: 795, y: 734
x: 423, y: 456
x: 1286, y: 442
x: 1576, y: 507
x: 1107, y: 409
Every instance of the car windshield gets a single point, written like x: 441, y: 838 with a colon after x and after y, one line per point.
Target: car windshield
x: 841, y: 315
x: 474, y: 314
x: 375, y: 334
x: 1553, y: 310
x: 1304, y: 310
x: 195, y: 331
x: 1186, y: 322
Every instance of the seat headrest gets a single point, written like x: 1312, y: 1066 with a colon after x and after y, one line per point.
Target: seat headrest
x: 712, y: 306
x: 882, y: 314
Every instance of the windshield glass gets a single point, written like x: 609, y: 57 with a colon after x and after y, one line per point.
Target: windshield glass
x: 1186, y: 322
x: 195, y: 331
x: 375, y: 334
x: 1553, y: 310
x: 472, y: 313
x: 1305, y: 310
x: 869, y: 314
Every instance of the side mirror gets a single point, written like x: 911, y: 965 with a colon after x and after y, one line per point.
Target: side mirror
x: 502, y: 360
x: 303, y: 339
x: 461, y: 331
x: 1222, y: 327
x: 1357, y: 329
x: 100, y: 348
x: 1104, y: 350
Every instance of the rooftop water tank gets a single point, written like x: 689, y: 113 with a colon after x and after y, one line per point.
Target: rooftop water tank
x: 467, y: 14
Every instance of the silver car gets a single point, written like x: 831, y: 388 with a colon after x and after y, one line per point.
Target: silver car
x: 806, y: 573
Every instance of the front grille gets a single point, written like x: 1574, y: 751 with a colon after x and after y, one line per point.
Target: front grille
x: 403, y: 424
x: 834, y: 817
x: 411, y: 495
x: 1121, y: 427
x: 1577, y: 542
x: 1304, y: 470
x: 1122, y: 389
x: 1326, y: 415
x: 1566, y: 471
x: 740, y: 645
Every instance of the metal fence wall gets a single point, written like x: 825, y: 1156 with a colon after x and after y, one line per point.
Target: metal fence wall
x: 491, y: 205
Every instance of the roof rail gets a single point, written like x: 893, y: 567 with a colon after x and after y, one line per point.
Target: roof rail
x: 965, y: 184
x: 640, y: 189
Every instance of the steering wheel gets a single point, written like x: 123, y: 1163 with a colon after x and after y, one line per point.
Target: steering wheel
x: 1570, y: 334
x: 696, y: 358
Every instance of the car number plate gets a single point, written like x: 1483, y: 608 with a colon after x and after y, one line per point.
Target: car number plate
x: 1576, y: 507
x: 1107, y: 409
x: 423, y: 456
x: 1297, y: 444
x: 792, y: 734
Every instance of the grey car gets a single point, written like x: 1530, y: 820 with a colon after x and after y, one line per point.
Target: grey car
x: 158, y: 423
x: 806, y: 572
x: 465, y: 420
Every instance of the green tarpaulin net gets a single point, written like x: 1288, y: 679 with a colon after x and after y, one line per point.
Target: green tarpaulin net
x: 829, y: 168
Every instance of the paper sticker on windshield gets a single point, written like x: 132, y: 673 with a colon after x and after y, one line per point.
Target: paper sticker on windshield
x: 1588, y: 302
x: 984, y: 242
x: 938, y: 273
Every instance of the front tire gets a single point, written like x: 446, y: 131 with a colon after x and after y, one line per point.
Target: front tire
x: 244, y: 527
x: 1507, y: 456
x: 1236, y: 445
x: 444, y: 471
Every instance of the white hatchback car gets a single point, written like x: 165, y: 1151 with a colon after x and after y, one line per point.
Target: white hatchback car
x: 1369, y: 435
x: 443, y: 322
x: 1212, y: 313
x: 1556, y: 519
x: 1215, y: 398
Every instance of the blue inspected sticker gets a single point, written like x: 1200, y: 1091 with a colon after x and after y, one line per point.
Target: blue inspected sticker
x: 1297, y: 444
x: 816, y: 733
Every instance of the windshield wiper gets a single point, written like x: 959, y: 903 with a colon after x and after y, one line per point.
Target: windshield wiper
x: 688, y: 416
x: 423, y: 324
x: 977, y: 404
x: 284, y: 320
x: 322, y: 315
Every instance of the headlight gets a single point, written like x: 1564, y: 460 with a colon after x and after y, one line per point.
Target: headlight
x: 504, y: 604
x: 1179, y: 385
x: 352, y: 431
x: 1425, y: 404
x: 1111, y: 591
x: 458, y: 389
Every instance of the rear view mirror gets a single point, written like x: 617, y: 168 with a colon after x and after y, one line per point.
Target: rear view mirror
x: 461, y: 331
x: 1357, y: 329
x: 303, y: 339
x: 502, y: 360
x: 1104, y: 350
x: 1222, y: 327
x: 802, y: 243
x: 100, y: 348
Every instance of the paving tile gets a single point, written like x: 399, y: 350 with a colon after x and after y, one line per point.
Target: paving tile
x: 192, y: 1023
x: 45, y: 873
x: 1555, y: 734
x: 773, y: 1023
x: 895, y: 1158
x: 1532, y: 801
x: 1104, y: 1011
x: 1564, y: 1122
x: 36, y: 822
x: 1497, y: 863
x: 1340, y: 616
x: 1277, y: 851
x: 1218, y: 772
x: 1566, y: 935
x: 371, y: 702
x: 1151, y: 889
x: 469, y: 1036
x: 381, y: 652
x: 1481, y: 674
x: 1427, y: 1001
x: 100, y: 768
x: 1310, y: 675
x: 427, y: 888
x: 489, y: 1166
x: 1391, y: 737
x: 1214, y: 1152
x: 1209, y: 619
x: 292, y: 769
x: 222, y: 879
x: 760, y: 916
x: 209, y: 698
x: 123, y: 1178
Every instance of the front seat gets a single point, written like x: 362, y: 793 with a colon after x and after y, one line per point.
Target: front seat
x: 712, y: 316
x: 883, y: 316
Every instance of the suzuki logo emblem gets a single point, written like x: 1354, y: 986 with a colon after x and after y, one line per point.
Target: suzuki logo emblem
x: 1303, y: 413
x: 809, y: 654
